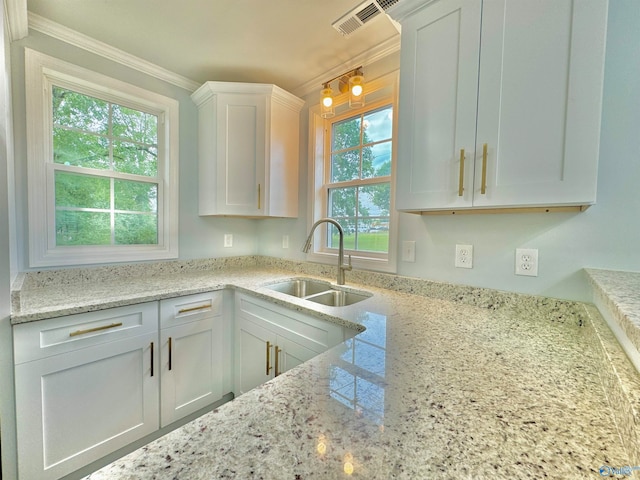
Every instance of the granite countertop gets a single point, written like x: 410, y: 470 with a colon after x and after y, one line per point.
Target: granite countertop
x: 444, y: 383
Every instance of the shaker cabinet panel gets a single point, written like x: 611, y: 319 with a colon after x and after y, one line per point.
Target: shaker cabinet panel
x: 92, y: 383
x: 77, y: 407
x: 254, y: 355
x: 500, y: 104
x: 539, y: 101
x: 240, y: 152
x: 270, y: 340
x: 438, y: 92
x: 192, y: 362
x: 248, y: 137
x: 191, y: 368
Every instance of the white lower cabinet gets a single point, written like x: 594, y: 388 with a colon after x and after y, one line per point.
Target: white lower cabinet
x: 192, y: 363
x: 269, y: 340
x: 90, y: 384
x: 86, y: 385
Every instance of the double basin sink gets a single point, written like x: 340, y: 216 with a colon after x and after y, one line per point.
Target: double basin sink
x: 319, y: 292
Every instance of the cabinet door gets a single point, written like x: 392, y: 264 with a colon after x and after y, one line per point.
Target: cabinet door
x: 438, y: 95
x: 255, y: 350
x: 291, y: 354
x: 77, y: 407
x: 191, y: 366
x: 241, y: 150
x: 539, y: 101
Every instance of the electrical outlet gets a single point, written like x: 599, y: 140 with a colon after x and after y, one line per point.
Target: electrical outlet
x: 285, y: 241
x: 409, y: 251
x: 228, y: 240
x: 527, y: 261
x: 464, y: 256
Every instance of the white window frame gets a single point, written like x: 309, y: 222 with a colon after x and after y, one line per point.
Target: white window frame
x: 380, y: 92
x: 41, y: 73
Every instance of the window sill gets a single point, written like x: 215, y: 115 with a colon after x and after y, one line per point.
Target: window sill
x: 358, y: 262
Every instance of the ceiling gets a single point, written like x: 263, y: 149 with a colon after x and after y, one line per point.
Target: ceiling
x: 286, y: 42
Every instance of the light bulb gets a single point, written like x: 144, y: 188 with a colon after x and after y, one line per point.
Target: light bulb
x: 326, y: 102
x: 356, y: 91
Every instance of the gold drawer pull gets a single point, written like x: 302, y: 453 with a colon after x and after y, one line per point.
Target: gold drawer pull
x: 278, y: 350
x: 95, y: 329
x: 483, y: 186
x: 259, y: 195
x: 461, y: 180
x: 193, y: 309
x: 269, y: 367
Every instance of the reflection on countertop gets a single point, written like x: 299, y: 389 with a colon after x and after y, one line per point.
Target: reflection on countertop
x: 443, y: 383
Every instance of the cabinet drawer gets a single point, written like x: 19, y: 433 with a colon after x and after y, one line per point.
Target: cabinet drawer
x: 181, y: 310
x: 41, y: 339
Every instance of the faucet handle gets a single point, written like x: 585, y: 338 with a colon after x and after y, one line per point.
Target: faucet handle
x: 348, y: 266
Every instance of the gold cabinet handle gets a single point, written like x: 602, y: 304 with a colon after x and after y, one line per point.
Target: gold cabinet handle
x: 461, y: 180
x: 483, y: 186
x: 193, y: 309
x: 95, y: 329
x: 278, y: 350
x: 269, y: 367
x: 169, y: 353
x: 152, y: 359
x: 259, y: 195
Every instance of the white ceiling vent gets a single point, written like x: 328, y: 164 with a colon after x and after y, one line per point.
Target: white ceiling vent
x: 361, y: 15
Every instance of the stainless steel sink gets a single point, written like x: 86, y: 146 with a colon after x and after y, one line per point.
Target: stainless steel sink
x: 301, y: 287
x: 319, y: 292
x: 338, y: 298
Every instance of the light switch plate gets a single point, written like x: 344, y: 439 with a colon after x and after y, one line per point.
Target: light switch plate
x: 409, y: 251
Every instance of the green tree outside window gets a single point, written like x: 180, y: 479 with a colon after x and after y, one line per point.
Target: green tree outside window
x: 105, y: 159
x: 360, y: 189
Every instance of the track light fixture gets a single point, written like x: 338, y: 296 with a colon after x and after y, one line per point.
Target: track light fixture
x: 353, y: 81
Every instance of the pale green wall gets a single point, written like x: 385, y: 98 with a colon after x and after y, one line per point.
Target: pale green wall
x: 7, y: 266
x: 605, y: 236
x: 200, y: 237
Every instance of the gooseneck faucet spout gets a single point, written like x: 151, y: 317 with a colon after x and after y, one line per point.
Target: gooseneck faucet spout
x: 341, y: 265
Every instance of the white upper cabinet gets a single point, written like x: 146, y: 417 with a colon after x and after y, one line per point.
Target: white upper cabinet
x: 500, y: 103
x: 248, y: 136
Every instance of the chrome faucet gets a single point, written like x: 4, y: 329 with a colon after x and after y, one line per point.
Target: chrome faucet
x: 341, y: 265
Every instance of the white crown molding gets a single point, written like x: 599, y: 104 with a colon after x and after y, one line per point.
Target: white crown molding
x: 77, y: 39
x: 372, y: 55
x: 403, y: 9
x: 16, y: 12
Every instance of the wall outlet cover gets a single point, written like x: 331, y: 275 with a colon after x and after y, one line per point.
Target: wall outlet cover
x: 527, y: 262
x: 464, y: 256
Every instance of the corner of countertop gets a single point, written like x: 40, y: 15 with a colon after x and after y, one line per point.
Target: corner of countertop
x: 16, y: 289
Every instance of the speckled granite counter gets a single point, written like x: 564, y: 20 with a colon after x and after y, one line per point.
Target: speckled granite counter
x: 617, y: 295
x: 445, y: 382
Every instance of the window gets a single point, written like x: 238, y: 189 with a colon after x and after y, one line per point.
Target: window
x: 359, y: 184
x: 352, y: 181
x: 102, y: 167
